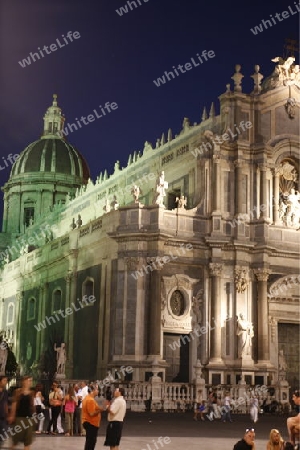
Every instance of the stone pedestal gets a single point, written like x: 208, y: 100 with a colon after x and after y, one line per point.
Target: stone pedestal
x: 156, y: 383
x: 246, y: 363
x: 199, y: 381
x: 242, y: 393
x: 282, y: 388
x: 60, y: 376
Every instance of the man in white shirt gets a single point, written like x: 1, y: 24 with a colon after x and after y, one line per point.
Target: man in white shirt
x: 81, y: 394
x: 116, y: 414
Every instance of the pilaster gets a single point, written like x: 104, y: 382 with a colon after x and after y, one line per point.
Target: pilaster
x: 262, y: 275
x: 215, y: 314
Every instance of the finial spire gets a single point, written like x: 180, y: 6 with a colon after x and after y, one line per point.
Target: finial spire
x: 204, y: 114
x: 212, y: 112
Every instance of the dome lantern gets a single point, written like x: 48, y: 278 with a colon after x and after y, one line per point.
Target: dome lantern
x: 53, y: 120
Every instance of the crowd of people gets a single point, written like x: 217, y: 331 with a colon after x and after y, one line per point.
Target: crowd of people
x: 25, y: 412
x: 215, y: 408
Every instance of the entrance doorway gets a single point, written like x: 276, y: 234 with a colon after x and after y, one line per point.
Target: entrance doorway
x: 288, y: 341
x: 176, y: 353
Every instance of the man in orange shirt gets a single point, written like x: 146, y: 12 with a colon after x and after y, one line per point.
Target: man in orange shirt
x: 91, y: 417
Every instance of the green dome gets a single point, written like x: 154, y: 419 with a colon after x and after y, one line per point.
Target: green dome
x: 51, y: 155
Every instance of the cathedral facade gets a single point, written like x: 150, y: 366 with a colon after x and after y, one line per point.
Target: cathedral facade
x: 189, y: 253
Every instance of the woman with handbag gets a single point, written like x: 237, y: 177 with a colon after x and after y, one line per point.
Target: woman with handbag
x: 55, y: 401
x: 70, y: 402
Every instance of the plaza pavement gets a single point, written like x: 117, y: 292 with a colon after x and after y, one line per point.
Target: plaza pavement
x: 141, y: 429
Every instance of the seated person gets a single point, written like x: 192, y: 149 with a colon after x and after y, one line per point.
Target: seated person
x: 293, y: 423
x: 275, y: 442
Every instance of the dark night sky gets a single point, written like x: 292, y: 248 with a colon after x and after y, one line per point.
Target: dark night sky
x: 117, y: 58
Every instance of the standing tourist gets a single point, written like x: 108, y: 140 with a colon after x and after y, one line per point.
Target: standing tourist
x: 275, y: 441
x: 22, y: 410
x: 254, y: 409
x: 70, y: 402
x: 81, y: 394
x: 117, y: 411
x: 55, y: 401
x: 248, y: 441
x: 197, y: 404
x: 39, y: 408
x: 77, y: 425
x: 226, y: 408
x: 3, y: 405
x: 91, y: 417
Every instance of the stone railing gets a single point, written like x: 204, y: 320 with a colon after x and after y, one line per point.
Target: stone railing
x: 173, y: 396
x: 180, y: 397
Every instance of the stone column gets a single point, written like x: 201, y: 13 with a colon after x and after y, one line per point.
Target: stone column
x: 19, y: 308
x: 276, y: 197
x: 264, y: 204
x: 238, y: 186
x: 69, y: 325
x: 262, y: 276
x: 40, y: 348
x: 68, y: 337
x: 217, y: 180
x: 215, y: 316
x: 5, y: 212
x: 155, y: 312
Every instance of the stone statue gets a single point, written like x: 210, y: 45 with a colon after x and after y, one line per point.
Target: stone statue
x: 3, y: 357
x: 7, y: 258
x: 136, y: 192
x: 282, y: 365
x: 282, y: 211
x: 284, y: 65
x: 107, y: 206
x: 73, y: 224
x: 79, y: 221
x: 115, y: 204
x: 181, y: 202
x: 161, y: 187
x: 60, y: 358
x: 293, y: 207
x: 245, y: 334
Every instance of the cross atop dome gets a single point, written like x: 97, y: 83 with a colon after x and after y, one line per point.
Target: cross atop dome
x: 53, y: 120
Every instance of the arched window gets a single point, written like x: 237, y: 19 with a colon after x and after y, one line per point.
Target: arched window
x: 31, y: 309
x: 88, y: 289
x: 10, y: 314
x: 56, y: 300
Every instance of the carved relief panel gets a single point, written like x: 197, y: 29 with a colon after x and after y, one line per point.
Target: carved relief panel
x: 176, y: 303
